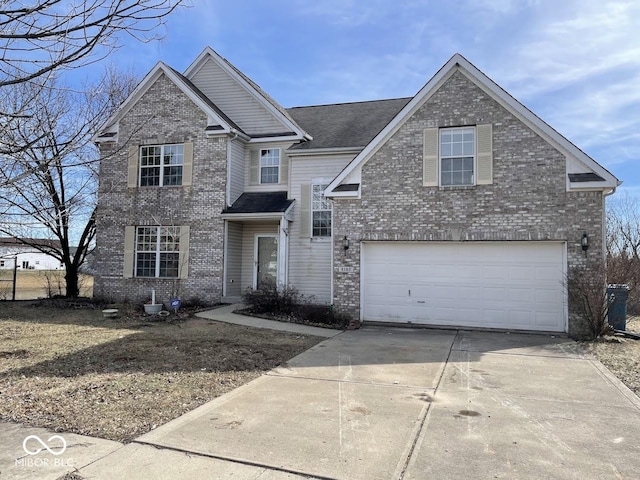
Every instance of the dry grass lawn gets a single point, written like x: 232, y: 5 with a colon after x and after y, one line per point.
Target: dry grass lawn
x: 33, y: 284
x: 621, y: 355
x: 70, y: 370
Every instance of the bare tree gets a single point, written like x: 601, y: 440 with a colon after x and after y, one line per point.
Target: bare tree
x: 623, y: 245
x: 41, y: 38
x: 49, y: 189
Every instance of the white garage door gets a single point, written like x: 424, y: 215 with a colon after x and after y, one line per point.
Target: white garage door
x: 512, y: 285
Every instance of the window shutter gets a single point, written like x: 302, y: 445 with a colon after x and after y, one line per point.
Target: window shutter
x: 254, y: 167
x: 485, y: 154
x: 132, y: 170
x: 430, y: 158
x: 305, y: 210
x: 129, y: 250
x: 183, y: 256
x: 284, y: 168
x: 187, y: 164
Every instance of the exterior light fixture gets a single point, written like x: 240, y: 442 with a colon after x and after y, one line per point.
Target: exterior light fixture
x: 584, y: 242
x: 345, y: 243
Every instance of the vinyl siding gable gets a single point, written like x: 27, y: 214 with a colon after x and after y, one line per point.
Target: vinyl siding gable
x: 235, y: 101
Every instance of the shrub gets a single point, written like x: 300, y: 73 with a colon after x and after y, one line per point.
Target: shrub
x: 268, y: 298
x: 288, y: 302
x: 586, y: 289
x: 322, y: 314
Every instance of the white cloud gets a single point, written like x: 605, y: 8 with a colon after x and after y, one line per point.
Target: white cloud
x: 554, y: 51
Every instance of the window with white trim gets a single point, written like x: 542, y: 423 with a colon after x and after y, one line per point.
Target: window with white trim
x: 161, y: 165
x: 457, y: 156
x: 270, y: 165
x: 157, y: 252
x: 321, y: 212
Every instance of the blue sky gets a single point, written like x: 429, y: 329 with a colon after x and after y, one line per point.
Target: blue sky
x: 575, y: 63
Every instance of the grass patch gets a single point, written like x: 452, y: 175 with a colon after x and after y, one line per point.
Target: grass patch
x: 32, y: 284
x: 71, y: 370
x: 621, y: 355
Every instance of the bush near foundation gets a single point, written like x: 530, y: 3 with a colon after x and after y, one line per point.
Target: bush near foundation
x: 285, y: 303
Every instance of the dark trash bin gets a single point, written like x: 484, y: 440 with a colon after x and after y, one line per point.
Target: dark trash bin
x: 617, y: 315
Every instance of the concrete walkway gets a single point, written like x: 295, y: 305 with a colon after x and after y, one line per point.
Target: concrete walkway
x: 66, y: 452
x: 225, y: 314
x: 391, y: 403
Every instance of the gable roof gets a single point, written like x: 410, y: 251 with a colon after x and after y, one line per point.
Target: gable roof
x: 215, y: 117
x: 29, y: 242
x: 345, y: 125
x: 459, y: 63
x: 250, y: 86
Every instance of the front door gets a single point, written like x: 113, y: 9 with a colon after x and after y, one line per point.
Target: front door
x: 266, y: 260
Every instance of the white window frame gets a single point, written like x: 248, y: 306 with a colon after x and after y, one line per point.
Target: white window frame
x: 157, y: 251
x: 322, y: 185
x: 162, y: 164
x: 473, y: 156
x: 261, y: 166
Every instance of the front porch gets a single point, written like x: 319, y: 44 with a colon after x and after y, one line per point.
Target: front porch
x: 256, y: 243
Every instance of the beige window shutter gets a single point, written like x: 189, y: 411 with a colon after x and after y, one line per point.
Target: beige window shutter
x: 484, y: 154
x: 183, y: 256
x: 254, y: 167
x: 132, y: 170
x: 129, y: 250
x: 430, y: 158
x: 187, y: 164
x: 284, y: 168
x: 305, y: 210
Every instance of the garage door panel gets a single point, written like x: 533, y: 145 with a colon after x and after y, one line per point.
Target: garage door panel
x: 545, y: 321
x: 521, y: 295
x: 548, y: 296
x: 521, y: 319
x: 485, y: 284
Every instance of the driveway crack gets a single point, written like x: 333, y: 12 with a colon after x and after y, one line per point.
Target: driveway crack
x: 423, y: 420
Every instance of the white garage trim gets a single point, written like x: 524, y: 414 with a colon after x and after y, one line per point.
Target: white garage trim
x: 505, y: 285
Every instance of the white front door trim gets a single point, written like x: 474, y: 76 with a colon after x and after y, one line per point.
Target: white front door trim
x: 255, y: 255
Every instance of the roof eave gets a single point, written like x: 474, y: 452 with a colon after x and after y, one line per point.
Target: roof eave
x: 297, y: 152
x: 254, y: 216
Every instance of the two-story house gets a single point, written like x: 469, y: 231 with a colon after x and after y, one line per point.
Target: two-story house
x: 458, y: 206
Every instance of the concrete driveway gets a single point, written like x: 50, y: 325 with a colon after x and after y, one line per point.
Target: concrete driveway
x: 391, y: 403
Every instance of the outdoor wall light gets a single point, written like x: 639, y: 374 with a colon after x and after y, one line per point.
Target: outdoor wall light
x: 345, y: 243
x: 584, y: 241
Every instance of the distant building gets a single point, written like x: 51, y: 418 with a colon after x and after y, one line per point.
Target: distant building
x: 28, y: 257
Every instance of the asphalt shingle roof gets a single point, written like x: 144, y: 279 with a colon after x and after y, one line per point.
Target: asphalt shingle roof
x: 260, y: 202
x: 585, y: 177
x: 345, y: 124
